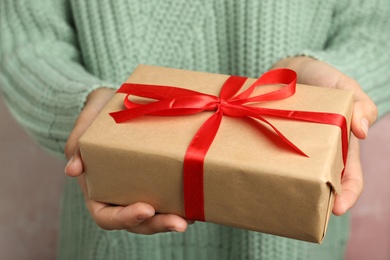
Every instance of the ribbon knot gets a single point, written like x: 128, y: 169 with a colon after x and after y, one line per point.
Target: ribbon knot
x: 222, y: 103
x: 173, y: 101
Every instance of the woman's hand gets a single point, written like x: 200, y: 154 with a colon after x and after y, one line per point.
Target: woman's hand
x: 317, y: 73
x: 137, y: 218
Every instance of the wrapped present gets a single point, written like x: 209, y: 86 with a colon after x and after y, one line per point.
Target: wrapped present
x: 265, y: 155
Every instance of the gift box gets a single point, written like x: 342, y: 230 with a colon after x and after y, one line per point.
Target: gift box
x: 271, y: 165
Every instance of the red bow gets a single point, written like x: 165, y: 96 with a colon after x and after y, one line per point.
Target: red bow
x: 173, y: 101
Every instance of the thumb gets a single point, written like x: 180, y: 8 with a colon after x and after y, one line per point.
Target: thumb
x: 74, y: 167
x: 95, y: 103
x: 364, y: 114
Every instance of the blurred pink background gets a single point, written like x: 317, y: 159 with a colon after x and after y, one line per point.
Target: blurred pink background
x: 31, y: 183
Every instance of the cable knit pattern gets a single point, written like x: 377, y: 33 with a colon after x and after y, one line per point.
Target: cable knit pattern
x: 54, y: 53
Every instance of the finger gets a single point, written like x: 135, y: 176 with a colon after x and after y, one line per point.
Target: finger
x: 137, y: 218
x: 95, y: 103
x: 97, y: 100
x: 161, y: 223
x: 352, y: 182
x: 365, y: 111
x: 85, y: 118
x: 111, y: 217
x: 74, y: 167
x: 364, y: 114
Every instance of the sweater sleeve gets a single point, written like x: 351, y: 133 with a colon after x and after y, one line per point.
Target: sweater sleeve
x: 42, y: 78
x: 359, y: 46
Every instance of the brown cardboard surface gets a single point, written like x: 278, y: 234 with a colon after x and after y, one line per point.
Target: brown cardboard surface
x: 251, y: 180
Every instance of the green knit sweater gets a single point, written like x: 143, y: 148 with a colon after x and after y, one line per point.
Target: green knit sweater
x: 54, y: 53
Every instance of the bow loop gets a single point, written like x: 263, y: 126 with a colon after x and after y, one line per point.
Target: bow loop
x: 284, y: 77
x: 231, y: 86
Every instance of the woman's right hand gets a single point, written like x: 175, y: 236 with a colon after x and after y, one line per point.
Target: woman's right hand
x: 137, y: 218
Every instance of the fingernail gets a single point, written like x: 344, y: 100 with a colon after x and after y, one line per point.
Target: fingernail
x: 364, y: 125
x: 69, y: 163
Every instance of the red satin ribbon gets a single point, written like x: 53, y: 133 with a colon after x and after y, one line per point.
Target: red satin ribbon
x: 173, y: 101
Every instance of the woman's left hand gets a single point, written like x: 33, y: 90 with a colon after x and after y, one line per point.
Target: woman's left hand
x: 317, y: 73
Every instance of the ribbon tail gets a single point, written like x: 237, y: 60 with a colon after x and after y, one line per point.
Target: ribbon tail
x: 312, y: 117
x: 243, y: 111
x: 193, y: 167
x: 317, y: 117
x: 330, y: 119
x: 282, y: 137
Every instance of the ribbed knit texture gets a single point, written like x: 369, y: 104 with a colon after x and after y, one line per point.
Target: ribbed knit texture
x: 54, y: 53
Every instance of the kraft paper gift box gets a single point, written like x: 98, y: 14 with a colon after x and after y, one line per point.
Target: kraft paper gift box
x: 252, y: 179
